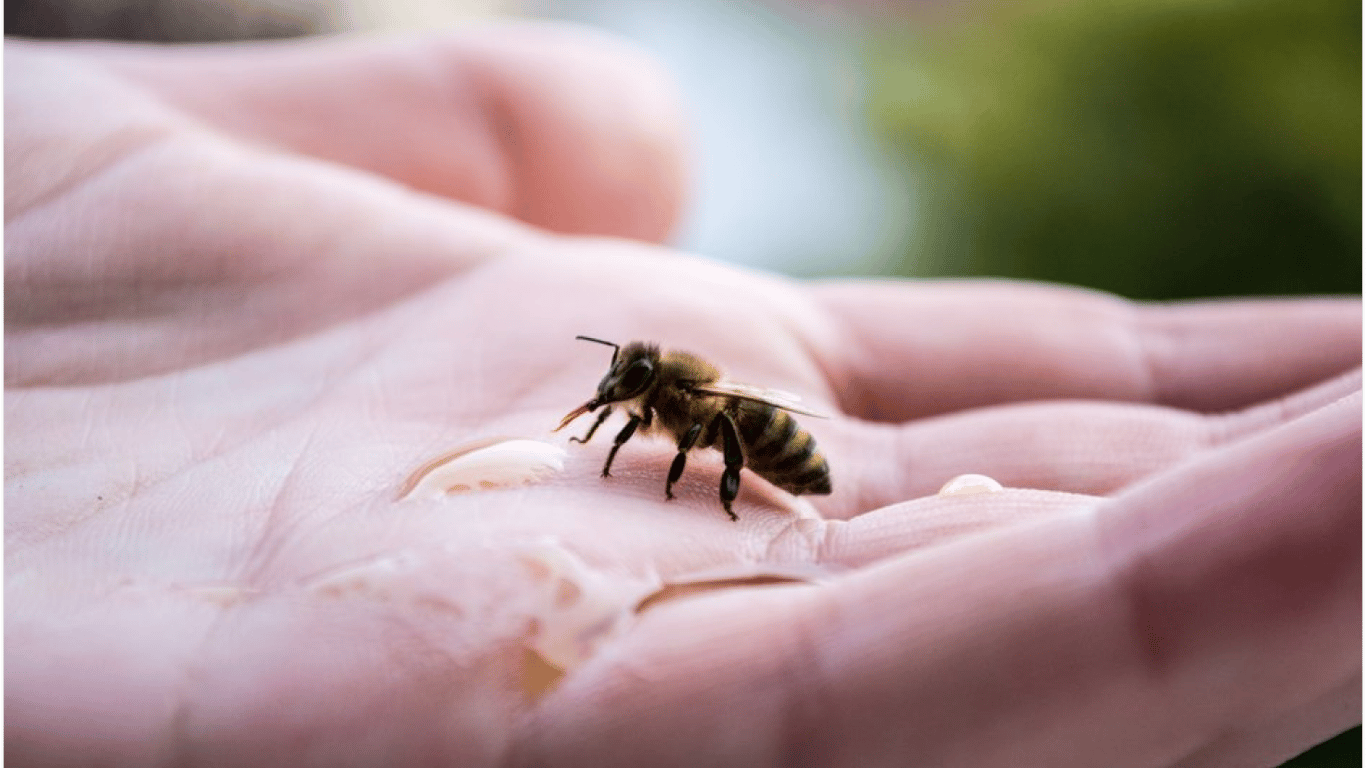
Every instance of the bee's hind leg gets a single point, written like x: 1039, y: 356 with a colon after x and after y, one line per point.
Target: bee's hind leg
x: 735, y: 459
x: 676, y: 469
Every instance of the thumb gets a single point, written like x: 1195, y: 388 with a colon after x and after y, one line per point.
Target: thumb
x: 563, y: 128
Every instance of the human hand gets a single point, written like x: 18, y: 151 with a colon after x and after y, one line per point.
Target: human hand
x: 230, y: 339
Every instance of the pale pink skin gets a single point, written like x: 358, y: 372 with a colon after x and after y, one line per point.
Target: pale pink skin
x: 249, y: 289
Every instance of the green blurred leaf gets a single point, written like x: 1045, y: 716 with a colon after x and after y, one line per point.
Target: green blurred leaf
x: 1157, y: 149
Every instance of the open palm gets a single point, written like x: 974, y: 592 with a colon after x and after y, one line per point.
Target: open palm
x: 251, y: 292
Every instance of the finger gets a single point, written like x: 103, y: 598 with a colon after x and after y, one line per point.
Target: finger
x: 1072, y: 447
x: 1092, y: 448
x: 910, y: 350
x: 565, y: 129
x: 936, y: 520
x: 1225, y: 592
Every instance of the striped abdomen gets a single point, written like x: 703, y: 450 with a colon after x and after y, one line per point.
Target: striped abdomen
x: 778, y: 450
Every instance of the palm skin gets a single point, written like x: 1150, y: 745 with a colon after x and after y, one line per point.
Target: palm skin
x: 231, y: 336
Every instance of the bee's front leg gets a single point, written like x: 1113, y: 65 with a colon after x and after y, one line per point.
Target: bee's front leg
x: 676, y: 469
x: 622, y: 436
x: 735, y: 459
x: 607, y: 411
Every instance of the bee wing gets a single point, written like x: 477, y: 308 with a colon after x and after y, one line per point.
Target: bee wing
x: 774, y: 397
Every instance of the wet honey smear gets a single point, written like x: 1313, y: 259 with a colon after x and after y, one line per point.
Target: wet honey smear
x: 485, y: 465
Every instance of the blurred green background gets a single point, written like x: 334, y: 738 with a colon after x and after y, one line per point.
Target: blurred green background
x: 1155, y: 148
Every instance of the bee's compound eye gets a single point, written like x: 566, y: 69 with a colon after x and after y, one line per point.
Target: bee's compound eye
x: 636, y: 377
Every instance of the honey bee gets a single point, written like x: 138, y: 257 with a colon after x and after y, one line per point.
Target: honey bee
x: 685, y: 396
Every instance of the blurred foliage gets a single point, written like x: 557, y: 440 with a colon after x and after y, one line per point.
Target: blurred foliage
x: 1155, y: 148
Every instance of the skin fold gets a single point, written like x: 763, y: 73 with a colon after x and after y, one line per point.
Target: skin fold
x: 251, y: 288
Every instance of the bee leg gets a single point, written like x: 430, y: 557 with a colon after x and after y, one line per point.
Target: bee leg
x: 735, y: 459
x: 622, y: 436
x: 676, y: 469
x: 589, y: 436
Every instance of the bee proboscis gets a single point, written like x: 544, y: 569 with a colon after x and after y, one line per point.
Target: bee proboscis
x: 684, y: 396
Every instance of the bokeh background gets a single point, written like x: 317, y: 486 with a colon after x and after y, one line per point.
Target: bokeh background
x: 1159, y: 149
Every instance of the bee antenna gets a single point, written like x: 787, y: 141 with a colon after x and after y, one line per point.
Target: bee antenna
x: 616, y: 349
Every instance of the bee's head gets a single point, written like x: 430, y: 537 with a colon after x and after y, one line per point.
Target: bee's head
x: 631, y: 373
